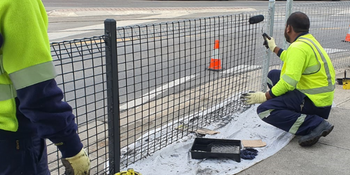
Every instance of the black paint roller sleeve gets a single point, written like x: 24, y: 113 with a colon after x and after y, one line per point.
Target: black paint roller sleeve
x: 256, y: 19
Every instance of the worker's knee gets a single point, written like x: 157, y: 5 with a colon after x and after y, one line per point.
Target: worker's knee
x: 274, y: 73
x: 262, y: 107
x: 273, y: 77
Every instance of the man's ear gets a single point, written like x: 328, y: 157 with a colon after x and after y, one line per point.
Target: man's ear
x: 289, y: 29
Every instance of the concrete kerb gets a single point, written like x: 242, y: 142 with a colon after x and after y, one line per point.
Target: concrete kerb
x: 128, y: 11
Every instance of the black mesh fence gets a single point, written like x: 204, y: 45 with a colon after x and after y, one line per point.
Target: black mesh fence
x: 177, y: 77
x: 82, y: 76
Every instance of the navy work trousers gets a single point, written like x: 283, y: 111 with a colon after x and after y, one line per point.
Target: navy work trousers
x: 27, y: 156
x: 286, y: 111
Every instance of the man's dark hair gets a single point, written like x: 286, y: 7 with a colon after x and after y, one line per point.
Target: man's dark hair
x: 299, y: 21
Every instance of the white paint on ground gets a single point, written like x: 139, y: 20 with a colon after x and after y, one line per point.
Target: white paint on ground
x: 149, y: 96
x: 241, y: 68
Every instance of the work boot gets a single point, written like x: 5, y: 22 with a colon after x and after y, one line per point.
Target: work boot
x: 322, y: 129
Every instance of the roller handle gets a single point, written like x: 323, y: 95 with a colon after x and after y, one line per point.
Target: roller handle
x: 265, y: 42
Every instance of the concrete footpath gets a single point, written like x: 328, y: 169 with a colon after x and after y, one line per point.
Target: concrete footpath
x: 330, y: 156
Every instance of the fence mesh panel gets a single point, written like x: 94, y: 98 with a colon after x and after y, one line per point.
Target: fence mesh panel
x: 165, y: 85
x: 81, y: 75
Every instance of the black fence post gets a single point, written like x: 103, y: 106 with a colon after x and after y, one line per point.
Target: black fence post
x: 113, y: 96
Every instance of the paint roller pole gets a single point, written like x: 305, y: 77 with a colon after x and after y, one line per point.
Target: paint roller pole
x: 266, y: 63
x: 289, y: 6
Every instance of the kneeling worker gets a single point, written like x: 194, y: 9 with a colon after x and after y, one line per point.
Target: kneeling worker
x: 301, y: 93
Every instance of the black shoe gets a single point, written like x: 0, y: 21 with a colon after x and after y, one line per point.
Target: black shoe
x: 322, y: 129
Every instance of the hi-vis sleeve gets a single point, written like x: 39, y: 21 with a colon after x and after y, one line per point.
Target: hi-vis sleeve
x: 293, y: 67
x: 26, y: 49
x: 26, y: 59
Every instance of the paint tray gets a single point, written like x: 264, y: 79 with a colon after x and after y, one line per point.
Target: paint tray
x: 216, y: 148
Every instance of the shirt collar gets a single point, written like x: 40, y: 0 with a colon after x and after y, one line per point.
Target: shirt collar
x: 304, y: 33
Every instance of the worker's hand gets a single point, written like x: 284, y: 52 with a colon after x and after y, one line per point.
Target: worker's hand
x: 270, y: 42
x: 78, y: 164
x: 253, y: 97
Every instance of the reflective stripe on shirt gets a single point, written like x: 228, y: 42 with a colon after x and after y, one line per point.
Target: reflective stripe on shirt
x: 330, y: 87
x: 7, y: 92
x: 33, y: 75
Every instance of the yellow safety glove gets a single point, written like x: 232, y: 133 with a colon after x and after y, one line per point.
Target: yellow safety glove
x: 253, y: 97
x: 78, y: 164
x: 271, y: 43
x: 129, y: 172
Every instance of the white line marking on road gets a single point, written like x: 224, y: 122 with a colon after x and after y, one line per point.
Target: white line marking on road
x: 133, y: 22
x: 332, y: 50
x: 92, y: 27
x: 63, y: 34
x: 149, y: 96
x: 166, y: 15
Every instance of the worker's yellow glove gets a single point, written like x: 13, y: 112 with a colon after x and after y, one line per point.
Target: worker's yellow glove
x: 271, y: 43
x: 253, y: 97
x: 78, y: 164
x: 129, y: 172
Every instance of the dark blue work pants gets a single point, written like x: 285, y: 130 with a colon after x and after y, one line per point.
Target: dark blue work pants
x: 27, y: 156
x: 293, y: 111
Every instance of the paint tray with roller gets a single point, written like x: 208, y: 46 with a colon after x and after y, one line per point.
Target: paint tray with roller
x: 216, y: 148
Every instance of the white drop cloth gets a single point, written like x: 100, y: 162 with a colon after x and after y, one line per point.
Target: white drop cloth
x: 175, y: 159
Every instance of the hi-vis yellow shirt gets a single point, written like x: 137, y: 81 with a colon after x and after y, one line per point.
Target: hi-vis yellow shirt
x: 307, y: 68
x: 25, y: 57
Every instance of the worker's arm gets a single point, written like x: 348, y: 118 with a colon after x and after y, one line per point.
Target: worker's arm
x: 293, y: 68
x: 270, y: 42
x: 42, y: 104
x: 27, y: 60
x: 278, y: 51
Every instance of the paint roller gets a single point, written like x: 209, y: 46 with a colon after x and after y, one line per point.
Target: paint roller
x: 256, y: 19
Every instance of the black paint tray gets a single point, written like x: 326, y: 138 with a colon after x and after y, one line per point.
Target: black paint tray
x: 216, y: 148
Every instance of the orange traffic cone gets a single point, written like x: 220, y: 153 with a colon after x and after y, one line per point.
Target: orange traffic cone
x: 347, y: 38
x: 215, y: 62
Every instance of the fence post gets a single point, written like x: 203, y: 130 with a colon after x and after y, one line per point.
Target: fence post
x: 289, y: 6
x: 113, y: 95
x: 270, y: 24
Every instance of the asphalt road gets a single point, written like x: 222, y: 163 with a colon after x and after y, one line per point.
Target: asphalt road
x: 83, y: 19
x: 93, y: 13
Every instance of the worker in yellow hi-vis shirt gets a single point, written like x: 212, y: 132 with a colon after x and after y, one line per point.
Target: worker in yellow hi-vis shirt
x: 31, y: 106
x: 301, y: 93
